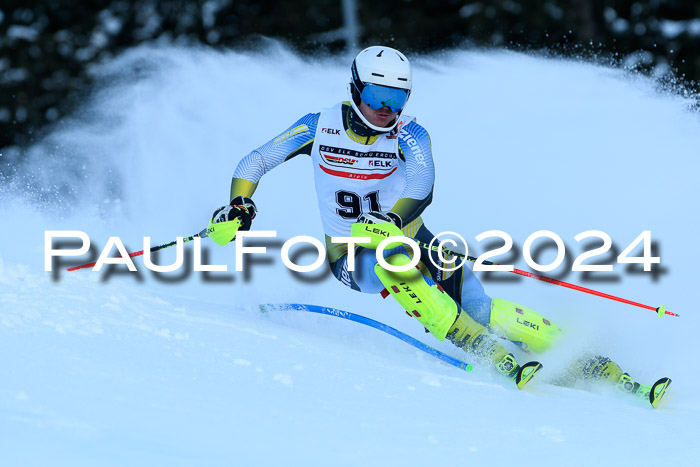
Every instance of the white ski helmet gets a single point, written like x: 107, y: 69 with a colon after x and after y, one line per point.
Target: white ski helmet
x: 381, y: 76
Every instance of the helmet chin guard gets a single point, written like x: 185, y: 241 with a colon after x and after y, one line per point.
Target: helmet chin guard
x: 381, y: 66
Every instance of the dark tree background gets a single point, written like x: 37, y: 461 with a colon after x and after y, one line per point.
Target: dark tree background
x: 47, y: 48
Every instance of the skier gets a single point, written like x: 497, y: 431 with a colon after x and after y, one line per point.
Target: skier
x: 374, y: 175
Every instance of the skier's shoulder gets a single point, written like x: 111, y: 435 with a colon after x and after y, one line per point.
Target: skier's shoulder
x: 304, y: 129
x: 304, y: 126
x: 411, y: 133
x: 409, y: 126
x: 339, y: 107
x: 309, y: 122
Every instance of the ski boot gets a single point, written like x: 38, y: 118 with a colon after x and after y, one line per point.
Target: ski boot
x: 649, y: 392
x: 472, y: 337
x: 602, y: 368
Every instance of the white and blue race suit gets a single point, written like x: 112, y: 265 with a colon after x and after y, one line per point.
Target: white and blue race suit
x: 353, y: 174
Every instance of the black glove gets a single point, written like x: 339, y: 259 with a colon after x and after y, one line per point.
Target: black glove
x: 376, y: 217
x: 241, y: 207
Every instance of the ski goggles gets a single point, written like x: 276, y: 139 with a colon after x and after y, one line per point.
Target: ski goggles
x: 376, y: 97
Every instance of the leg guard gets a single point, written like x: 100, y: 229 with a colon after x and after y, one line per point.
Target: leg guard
x: 419, y: 296
x: 524, y: 326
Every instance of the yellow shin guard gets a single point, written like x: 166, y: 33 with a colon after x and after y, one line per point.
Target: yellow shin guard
x: 419, y: 296
x: 521, y: 324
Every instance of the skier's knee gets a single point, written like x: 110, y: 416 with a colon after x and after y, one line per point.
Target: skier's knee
x: 364, y: 274
x: 419, y: 295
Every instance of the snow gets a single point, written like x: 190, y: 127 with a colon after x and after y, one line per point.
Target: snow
x: 673, y: 29
x: 26, y: 33
x: 120, y: 368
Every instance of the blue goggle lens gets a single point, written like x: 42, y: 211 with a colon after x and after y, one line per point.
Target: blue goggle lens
x: 376, y: 97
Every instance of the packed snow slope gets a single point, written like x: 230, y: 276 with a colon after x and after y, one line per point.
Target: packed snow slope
x: 122, y: 368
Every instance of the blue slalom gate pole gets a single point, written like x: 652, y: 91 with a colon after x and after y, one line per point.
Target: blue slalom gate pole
x: 371, y: 323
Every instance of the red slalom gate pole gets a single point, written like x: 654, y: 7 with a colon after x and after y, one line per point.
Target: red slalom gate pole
x: 659, y: 310
x: 201, y: 234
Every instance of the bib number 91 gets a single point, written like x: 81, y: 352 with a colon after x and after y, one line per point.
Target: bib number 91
x: 350, y: 205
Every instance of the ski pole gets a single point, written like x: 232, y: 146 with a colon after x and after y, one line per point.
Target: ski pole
x: 201, y: 234
x: 659, y: 310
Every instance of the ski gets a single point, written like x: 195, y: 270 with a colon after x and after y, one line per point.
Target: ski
x: 657, y: 391
x: 371, y: 323
x: 648, y: 392
x: 521, y: 375
x: 526, y: 372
